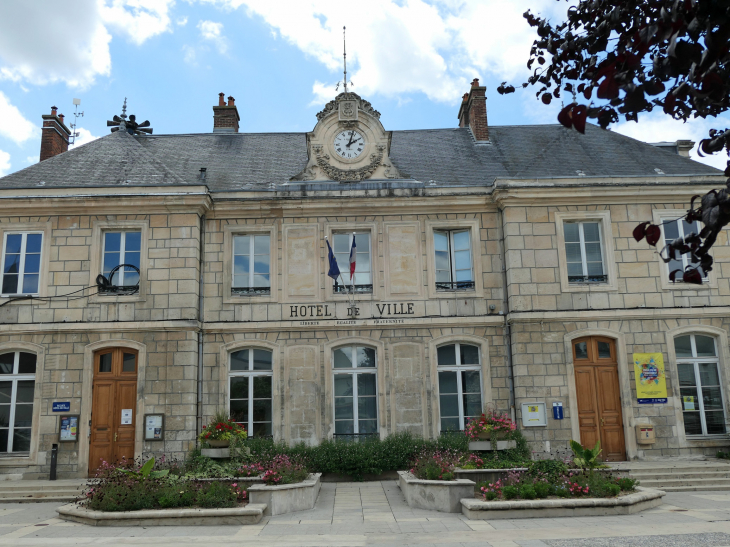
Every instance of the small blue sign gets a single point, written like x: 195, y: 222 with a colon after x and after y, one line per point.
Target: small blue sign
x: 653, y: 401
x: 558, y: 411
x: 61, y: 406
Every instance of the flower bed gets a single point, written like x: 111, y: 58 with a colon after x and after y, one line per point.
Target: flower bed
x: 222, y: 432
x: 490, y: 425
x: 435, y: 495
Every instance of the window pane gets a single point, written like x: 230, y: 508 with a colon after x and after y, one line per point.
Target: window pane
x: 447, y: 355
x: 261, y: 264
x: 443, y: 276
x: 112, y: 242
x: 32, y: 263
x: 344, y: 427
x: 239, y: 360
x: 591, y: 232
x: 469, y: 354
x: 10, y: 284
x: 709, y: 375
x: 712, y: 398
x: 368, y: 426
x: 461, y: 241
x: 343, y: 408
x: 447, y: 382
x: 366, y: 384
x: 367, y: 408
x: 705, y: 346
x: 462, y: 260
x: 671, y: 231
x: 111, y: 260
x: 604, y: 350
x: 13, y: 243
x: 7, y: 360
x: 715, y: 423
x: 570, y: 230
x: 572, y: 252
x: 261, y: 281
x: 4, y: 415
x: 261, y: 245
x: 262, y: 387
x: 30, y: 284
x: 343, y: 358
x: 363, y: 262
x: 23, y: 416
x: 365, y: 357
x: 262, y: 410
x: 261, y: 359
x: 692, y: 424
x: 343, y: 385
x: 105, y: 362
x: 12, y: 264
x: 363, y: 278
x: 241, y: 245
x: 132, y: 258
x: 129, y: 362
x: 3, y: 440
x: 440, y: 241
x: 262, y: 429
x: 449, y: 405
x: 472, y: 405
x: 240, y: 265
x: 25, y: 391
x: 683, y: 346
x: 21, y: 440
x: 581, y: 350
x: 689, y: 228
x: 133, y: 241
x: 239, y: 387
x: 449, y: 424
x: 686, y: 374
x: 593, y: 252
x: 239, y: 411
x: 442, y: 260
x: 240, y: 281
x: 463, y: 275
x: 471, y: 381
x: 6, y: 389
x: 341, y: 244
x: 33, y: 243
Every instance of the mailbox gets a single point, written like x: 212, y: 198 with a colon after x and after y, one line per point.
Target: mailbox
x: 645, y: 434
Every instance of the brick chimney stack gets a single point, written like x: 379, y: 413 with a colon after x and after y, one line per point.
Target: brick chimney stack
x: 473, y: 111
x: 54, y: 139
x: 225, y: 116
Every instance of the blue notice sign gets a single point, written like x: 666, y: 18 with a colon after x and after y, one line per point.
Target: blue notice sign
x: 61, y: 406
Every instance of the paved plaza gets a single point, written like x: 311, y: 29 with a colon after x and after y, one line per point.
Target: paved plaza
x: 375, y: 513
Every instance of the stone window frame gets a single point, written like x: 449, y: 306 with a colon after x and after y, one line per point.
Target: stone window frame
x: 721, y: 341
x: 380, y: 371
x: 486, y: 371
x: 96, y: 264
x: 458, y: 368
x: 353, y: 372
x: 607, y: 243
x: 477, y: 255
x: 331, y: 228
x: 659, y: 216
x: 230, y: 230
x: 45, y: 228
x: 250, y: 373
x: 276, y: 360
x: 32, y: 457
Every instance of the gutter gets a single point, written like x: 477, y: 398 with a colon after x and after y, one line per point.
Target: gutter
x: 199, y: 406
x: 507, y: 330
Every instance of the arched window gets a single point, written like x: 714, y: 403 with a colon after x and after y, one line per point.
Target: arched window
x: 17, y: 386
x: 250, y: 390
x: 356, y: 391
x: 460, y: 385
x: 700, y: 386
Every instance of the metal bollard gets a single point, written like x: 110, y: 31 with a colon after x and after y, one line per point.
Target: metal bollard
x: 54, y: 461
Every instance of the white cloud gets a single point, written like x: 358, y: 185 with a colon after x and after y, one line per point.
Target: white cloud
x: 191, y: 56
x: 658, y: 127
x: 139, y: 19
x: 4, y: 163
x: 181, y: 21
x: 14, y: 125
x: 84, y: 137
x: 33, y: 159
x: 213, y: 32
x: 407, y: 46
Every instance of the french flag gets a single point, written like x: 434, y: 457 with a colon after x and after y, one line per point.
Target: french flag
x: 353, y: 253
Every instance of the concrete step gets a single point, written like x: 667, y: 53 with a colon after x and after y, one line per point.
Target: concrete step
x: 20, y: 487
x: 698, y: 483
x: 693, y: 488
x: 42, y: 499
x: 682, y: 475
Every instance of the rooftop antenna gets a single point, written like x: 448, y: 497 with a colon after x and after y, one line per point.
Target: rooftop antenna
x: 121, y: 123
x: 344, y: 82
x: 77, y: 115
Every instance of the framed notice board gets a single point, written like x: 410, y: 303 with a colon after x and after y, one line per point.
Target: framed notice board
x: 68, y: 430
x: 154, y: 427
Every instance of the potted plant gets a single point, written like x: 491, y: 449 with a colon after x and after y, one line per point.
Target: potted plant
x: 220, y: 432
x: 491, y: 425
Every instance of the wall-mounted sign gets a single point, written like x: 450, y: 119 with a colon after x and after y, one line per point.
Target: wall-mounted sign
x: 557, y: 411
x: 58, y: 406
x: 126, y: 416
x: 69, y: 429
x: 154, y: 427
x: 534, y: 415
x: 651, y: 379
x: 689, y: 403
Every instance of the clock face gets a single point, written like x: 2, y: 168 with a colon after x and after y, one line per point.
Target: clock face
x: 349, y: 144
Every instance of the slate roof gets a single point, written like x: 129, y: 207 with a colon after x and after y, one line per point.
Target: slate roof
x: 247, y: 161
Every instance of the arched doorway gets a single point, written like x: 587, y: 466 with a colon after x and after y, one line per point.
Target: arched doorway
x: 598, y: 394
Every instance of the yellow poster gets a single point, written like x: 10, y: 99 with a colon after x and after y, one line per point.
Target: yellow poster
x: 651, y: 380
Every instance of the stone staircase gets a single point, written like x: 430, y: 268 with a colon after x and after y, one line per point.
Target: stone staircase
x: 29, y: 491
x: 679, y: 476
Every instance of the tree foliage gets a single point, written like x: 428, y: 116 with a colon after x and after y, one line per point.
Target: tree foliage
x: 624, y: 57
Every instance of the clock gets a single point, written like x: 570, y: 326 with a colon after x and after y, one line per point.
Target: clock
x: 349, y: 144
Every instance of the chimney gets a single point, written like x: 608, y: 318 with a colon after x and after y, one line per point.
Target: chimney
x: 54, y: 139
x: 225, y: 116
x: 473, y: 111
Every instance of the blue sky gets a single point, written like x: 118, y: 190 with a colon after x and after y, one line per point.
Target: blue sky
x: 280, y: 59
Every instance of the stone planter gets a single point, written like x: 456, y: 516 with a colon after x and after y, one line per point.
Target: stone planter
x: 443, y: 496
x: 218, y: 443
x: 250, y: 514
x: 642, y: 499
x: 492, y: 445
x: 223, y: 453
x: 286, y: 498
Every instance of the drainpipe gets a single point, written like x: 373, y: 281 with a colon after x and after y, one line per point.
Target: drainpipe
x: 199, y: 414
x: 507, y: 331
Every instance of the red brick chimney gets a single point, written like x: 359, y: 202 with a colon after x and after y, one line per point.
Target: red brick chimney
x: 473, y: 111
x: 225, y: 116
x: 54, y: 139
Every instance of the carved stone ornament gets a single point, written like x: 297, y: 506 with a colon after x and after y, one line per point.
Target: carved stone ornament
x: 348, y: 110
x: 358, y: 103
x: 349, y: 175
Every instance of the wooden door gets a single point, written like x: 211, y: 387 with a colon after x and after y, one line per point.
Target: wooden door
x: 114, y: 407
x: 599, y: 398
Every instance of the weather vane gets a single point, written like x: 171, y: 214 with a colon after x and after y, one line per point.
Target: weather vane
x: 129, y: 125
x: 344, y: 82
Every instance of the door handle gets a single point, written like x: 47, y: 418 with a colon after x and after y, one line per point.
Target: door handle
x: 115, y: 437
x: 601, y: 424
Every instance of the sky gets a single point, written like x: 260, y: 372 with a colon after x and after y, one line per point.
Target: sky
x: 280, y: 59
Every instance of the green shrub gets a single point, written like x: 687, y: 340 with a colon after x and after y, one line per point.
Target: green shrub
x: 562, y: 492
x: 542, y: 489
x: 527, y: 492
x: 613, y: 489
x: 551, y: 470
x: 627, y: 484
x: 510, y: 492
x: 216, y: 495
x: 490, y: 495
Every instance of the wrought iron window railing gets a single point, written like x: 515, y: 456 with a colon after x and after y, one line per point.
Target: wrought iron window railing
x: 345, y: 289
x: 454, y: 285
x: 113, y: 290
x: 250, y: 291
x: 587, y: 278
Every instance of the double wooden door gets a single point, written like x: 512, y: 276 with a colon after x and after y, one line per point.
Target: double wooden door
x: 598, y: 394
x: 114, y: 407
